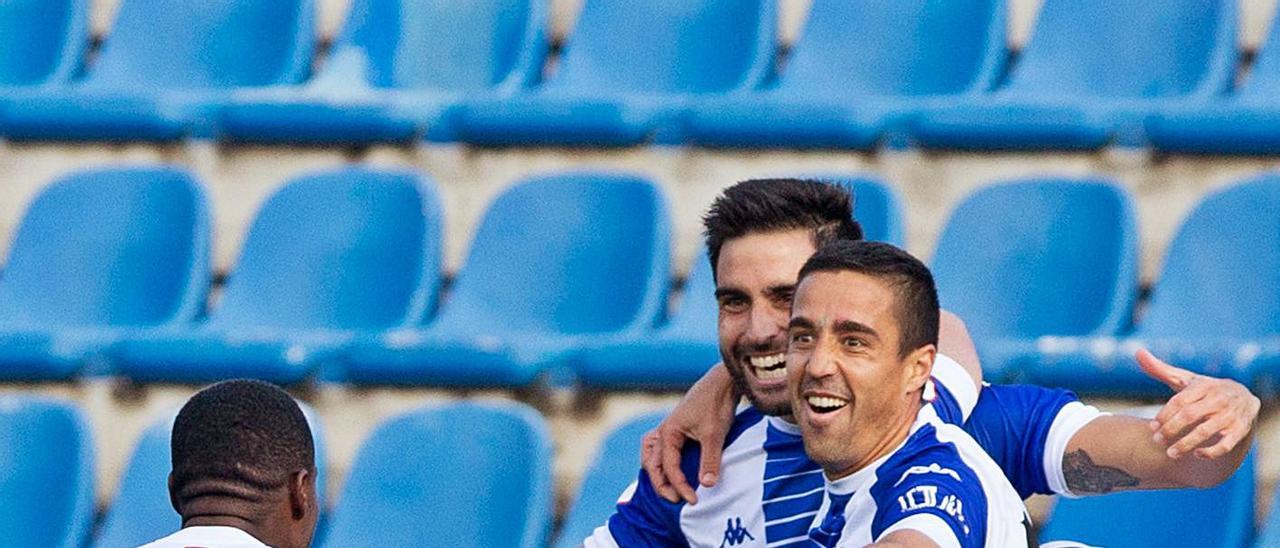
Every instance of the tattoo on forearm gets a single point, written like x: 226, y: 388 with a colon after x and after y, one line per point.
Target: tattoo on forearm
x: 1083, y: 476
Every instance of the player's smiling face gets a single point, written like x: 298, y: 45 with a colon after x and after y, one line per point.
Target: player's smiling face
x: 755, y: 280
x: 852, y: 393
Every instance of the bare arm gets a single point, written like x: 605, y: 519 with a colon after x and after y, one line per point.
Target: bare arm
x: 904, y: 538
x: 955, y: 343
x: 704, y: 415
x: 1198, y: 439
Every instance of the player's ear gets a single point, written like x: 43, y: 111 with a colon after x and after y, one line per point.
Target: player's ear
x: 918, y: 366
x: 173, y: 496
x: 302, y: 494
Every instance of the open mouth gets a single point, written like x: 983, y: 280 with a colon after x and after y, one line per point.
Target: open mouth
x: 769, y: 368
x: 822, y: 405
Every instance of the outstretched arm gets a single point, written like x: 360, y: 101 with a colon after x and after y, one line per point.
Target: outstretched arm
x: 1198, y: 439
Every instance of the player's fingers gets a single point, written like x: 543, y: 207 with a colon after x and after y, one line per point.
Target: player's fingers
x: 1191, y: 414
x: 672, y: 442
x: 709, y: 468
x: 1230, y: 438
x: 651, y: 461
x: 1210, y: 428
x: 1175, y: 378
x: 1177, y: 404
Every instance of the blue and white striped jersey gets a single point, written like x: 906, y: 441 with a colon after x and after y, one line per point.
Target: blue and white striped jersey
x: 938, y: 483
x: 770, y: 492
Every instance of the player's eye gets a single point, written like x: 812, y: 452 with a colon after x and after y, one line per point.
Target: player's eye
x: 733, y: 304
x: 853, y: 342
x: 801, y: 338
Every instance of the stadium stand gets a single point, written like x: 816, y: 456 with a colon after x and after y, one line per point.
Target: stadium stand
x: 141, y: 511
x: 1219, y: 516
x: 1035, y: 257
x: 101, y: 254
x: 1090, y: 74
x: 397, y: 68
x: 404, y: 492
x: 46, y: 481
x: 1226, y: 246
x: 330, y: 257
x: 1245, y: 122
x: 164, y: 66
x: 678, y: 353
x: 621, y: 83
x: 614, y: 467
x: 44, y: 42
x: 859, y: 69
x: 557, y: 262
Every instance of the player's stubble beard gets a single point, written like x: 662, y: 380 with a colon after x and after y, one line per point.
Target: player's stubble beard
x: 736, y: 362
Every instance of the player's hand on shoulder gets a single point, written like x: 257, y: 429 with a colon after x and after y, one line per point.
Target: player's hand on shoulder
x: 1207, y: 416
x: 704, y: 415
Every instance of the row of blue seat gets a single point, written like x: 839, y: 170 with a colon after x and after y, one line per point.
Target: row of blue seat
x: 499, y: 495
x: 702, y: 72
x: 340, y: 272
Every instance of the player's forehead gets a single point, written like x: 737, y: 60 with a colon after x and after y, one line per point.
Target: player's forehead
x: 833, y: 299
x: 759, y: 260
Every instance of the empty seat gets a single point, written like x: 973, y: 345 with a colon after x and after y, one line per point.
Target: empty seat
x: 1245, y: 122
x: 331, y: 256
x: 165, y: 63
x: 1038, y: 257
x: 466, y: 474
x: 101, y: 254
x: 1220, y: 288
x: 614, y: 468
x: 857, y: 70
x: 1219, y: 516
x: 627, y: 70
x: 558, y: 262
x: 41, y: 41
x: 679, y: 353
x: 1091, y: 71
x: 399, y: 65
x: 46, y: 475
x: 142, y: 511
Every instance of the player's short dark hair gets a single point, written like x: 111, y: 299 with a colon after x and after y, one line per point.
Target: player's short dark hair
x: 239, y: 437
x: 768, y: 205
x: 916, y: 309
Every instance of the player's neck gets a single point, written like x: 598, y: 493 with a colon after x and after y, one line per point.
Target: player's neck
x: 889, y: 440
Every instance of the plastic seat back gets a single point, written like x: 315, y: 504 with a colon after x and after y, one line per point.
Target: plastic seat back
x: 897, y: 47
x: 46, y: 473
x: 616, y: 465
x: 206, y: 44
x: 467, y: 474
x: 876, y: 207
x: 346, y: 249
x: 451, y: 45
x: 1219, y: 516
x: 1128, y: 48
x: 662, y: 46
x: 1222, y: 271
x: 110, y: 247
x: 1040, y: 257
x: 141, y: 511
x: 566, y: 254
x: 42, y: 41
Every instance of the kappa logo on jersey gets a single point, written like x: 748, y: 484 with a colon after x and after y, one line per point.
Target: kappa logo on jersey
x: 926, y: 496
x: 931, y: 469
x: 735, y: 533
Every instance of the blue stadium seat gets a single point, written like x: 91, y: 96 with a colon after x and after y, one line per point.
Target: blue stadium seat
x: 1245, y: 122
x: 399, y: 65
x: 1091, y: 72
x: 1220, y: 288
x: 165, y: 64
x: 101, y: 254
x: 466, y: 474
x: 558, y: 262
x: 141, y: 511
x: 627, y: 71
x: 1038, y: 257
x: 41, y: 42
x: 46, y: 473
x: 679, y: 353
x: 1219, y: 516
x: 615, y: 466
x: 331, y: 256
x: 857, y: 71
